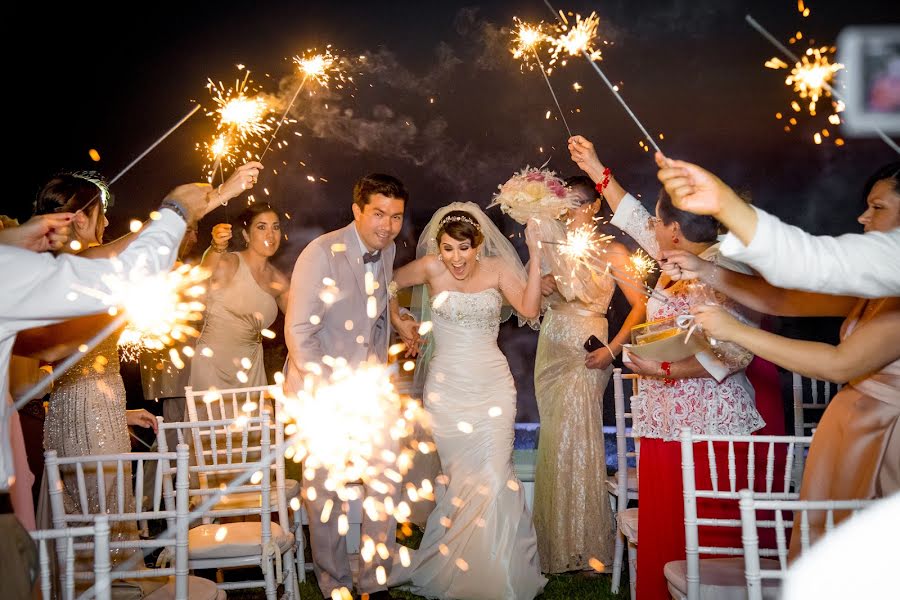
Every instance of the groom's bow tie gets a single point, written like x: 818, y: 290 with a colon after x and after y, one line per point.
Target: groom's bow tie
x: 371, y: 257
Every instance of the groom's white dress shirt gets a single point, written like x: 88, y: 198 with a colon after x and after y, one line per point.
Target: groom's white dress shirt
x: 38, y: 289
x: 854, y: 264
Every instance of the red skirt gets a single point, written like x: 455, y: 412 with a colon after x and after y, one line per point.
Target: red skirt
x: 661, y: 507
x: 763, y: 376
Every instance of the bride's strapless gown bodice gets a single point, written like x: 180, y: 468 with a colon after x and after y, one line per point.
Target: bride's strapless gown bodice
x: 479, y: 541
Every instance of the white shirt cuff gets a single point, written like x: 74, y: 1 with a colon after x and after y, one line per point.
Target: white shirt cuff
x: 627, y: 206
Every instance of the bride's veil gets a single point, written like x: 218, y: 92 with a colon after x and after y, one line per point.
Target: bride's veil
x: 495, y: 245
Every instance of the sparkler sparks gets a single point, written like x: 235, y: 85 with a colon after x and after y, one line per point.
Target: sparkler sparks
x: 526, y: 39
x: 641, y: 265
x: 244, y: 116
x: 576, y: 39
x: 161, y: 310
x: 320, y: 67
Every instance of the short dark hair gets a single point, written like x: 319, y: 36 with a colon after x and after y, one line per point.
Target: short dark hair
x: 245, y: 219
x: 378, y: 183
x: 584, y: 182
x: 890, y: 171
x: 461, y: 226
x: 701, y: 229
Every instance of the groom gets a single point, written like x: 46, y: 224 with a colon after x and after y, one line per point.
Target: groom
x: 346, y: 328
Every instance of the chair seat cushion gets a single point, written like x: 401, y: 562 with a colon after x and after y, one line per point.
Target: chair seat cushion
x: 251, y: 499
x: 232, y: 540
x: 720, y: 578
x: 198, y: 589
x: 628, y: 524
x: 612, y: 484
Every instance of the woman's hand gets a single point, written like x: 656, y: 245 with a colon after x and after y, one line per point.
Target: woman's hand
x: 680, y: 264
x: 221, y: 235
x: 641, y: 366
x: 583, y: 153
x: 141, y: 418
x: 532, y: 239
x: 548, y: 285
x: 600, y: 358
x: 717, y: 323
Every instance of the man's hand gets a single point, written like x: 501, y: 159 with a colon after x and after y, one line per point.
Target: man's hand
x: 408, y: 329
x: 40, y: 233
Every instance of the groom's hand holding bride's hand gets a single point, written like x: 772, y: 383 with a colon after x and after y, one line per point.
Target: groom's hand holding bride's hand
x: 408, y: 329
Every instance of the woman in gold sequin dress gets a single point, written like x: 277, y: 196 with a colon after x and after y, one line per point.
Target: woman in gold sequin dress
x: 87, y: 413
x: 571, y: 504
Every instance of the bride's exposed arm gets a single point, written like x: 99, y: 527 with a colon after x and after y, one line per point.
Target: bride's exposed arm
x: 525, y: 301
x: 418, y: 272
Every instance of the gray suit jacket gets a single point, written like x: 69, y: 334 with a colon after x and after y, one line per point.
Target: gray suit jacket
x: 335, y: 255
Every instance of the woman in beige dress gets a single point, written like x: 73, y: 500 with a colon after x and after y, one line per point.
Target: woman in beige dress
x: 572, y: 515
x: 245, y: 293
x: 855, y: 452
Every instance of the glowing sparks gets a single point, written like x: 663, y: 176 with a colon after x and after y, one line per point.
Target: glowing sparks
x: 162, y: 310
x: 576, y: 39
x: 243, y: 117
x: 320, y: 67
x: 810, y: 79
x: 526, y: 40
x: 640, y: 264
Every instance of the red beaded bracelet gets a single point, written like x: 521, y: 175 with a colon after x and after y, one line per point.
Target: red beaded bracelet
x: 602, y: 185
x: 667, y: 369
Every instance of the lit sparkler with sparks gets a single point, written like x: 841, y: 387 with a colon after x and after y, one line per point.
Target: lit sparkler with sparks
x: 354, y: 426
x: 161, y: 310
x: 244, y: 116
x: 811, y: 79
x: 575, y: 39
x: 641, y: 265
x: 526, y: 39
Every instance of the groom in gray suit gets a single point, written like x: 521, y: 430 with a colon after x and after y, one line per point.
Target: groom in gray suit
x: 354, y: 326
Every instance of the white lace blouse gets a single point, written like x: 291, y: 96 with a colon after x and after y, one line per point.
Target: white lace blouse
x: 720, y: 405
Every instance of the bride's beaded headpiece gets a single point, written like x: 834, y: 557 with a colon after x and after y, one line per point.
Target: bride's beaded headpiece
x: 460, y: 218
x: 102, y: 186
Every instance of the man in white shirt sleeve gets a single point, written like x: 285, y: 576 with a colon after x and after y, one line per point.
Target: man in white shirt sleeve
x: 863, y: 265
x: 38, y: 290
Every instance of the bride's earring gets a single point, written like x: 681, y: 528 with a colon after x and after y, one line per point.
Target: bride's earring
x: 478, y: 257
x: 441, y: 257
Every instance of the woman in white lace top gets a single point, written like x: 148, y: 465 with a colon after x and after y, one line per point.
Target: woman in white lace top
x: 708, y: 392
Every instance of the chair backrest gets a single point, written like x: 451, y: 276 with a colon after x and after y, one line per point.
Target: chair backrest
x: 749, y: 504
x: 229, y: 460
x: 85, y: 475
x: 213, y: 404
x: 624, y: 431
x: 742, y: 471
x: 813, y: 403
x: 64, y: 542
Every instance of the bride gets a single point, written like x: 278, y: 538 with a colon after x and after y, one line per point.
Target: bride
x: 479, y: 541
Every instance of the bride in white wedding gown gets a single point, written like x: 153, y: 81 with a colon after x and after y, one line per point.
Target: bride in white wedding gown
x: 479, y: 541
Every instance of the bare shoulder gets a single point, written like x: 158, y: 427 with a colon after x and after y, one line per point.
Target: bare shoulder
x: 432, y: 265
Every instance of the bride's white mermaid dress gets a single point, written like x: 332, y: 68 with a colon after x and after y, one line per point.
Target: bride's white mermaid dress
x: 479, y: 541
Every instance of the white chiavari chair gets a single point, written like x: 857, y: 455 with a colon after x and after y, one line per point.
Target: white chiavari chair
x: 85, y: 475
x: 625, y: 478
x: 764, y: 577
x: 63, y: 541
x: 229, y: 452
x: 724, y: 577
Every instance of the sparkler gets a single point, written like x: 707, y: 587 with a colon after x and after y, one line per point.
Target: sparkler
x: 586, y: 248
x: 351, y: 426
x: 162, y: 311
x: 812, y: 76
x: 319, y: 68
x: 527, y: 37
x: 159, y: 309
x: 243, y: 119
x: 585, y: 50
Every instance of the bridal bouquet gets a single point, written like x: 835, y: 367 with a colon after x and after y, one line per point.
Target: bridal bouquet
x: 534, y: 193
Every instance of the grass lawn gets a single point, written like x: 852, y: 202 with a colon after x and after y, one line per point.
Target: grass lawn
x: 578, y: 586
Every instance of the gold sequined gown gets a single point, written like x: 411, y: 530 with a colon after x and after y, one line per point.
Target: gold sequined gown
x: 572, y: 514
x: 86, y: 416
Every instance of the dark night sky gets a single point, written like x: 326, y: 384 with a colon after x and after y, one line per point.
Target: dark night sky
x: 691, y: 69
